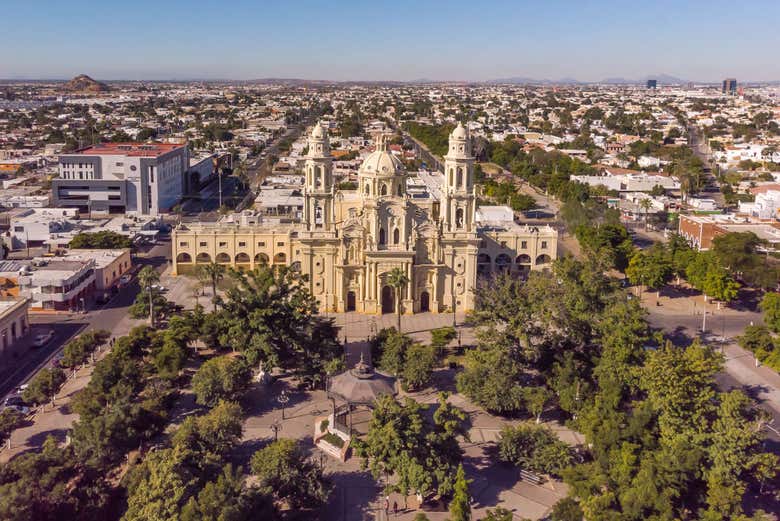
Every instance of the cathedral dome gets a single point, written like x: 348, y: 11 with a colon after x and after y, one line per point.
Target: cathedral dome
x: 382, y: 163
x: 460, y: 132
x: 318, y: 132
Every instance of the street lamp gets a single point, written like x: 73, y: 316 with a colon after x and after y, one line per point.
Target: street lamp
x: 283, y: 399
x: 276, y: 426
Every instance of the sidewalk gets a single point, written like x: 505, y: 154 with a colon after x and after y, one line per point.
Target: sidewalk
x: 58, y: 420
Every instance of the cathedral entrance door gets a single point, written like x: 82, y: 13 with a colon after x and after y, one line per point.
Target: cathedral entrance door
x: 425, y: 304
x: 388, y: 301
x: 350, y: 301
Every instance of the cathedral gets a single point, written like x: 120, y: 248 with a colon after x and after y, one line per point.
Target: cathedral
x: 349, y: 241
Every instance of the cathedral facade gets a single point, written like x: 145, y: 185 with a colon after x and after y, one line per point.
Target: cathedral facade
x: 349, y: 242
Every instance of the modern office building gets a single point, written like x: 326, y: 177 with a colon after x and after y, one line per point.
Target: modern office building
x: 348, y: 242
x: 730, y: 86
x: 122, y: 178
x: 652, y: 84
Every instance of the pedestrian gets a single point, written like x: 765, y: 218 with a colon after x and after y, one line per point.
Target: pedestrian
x: 387, y: 505
x: 395, y: 508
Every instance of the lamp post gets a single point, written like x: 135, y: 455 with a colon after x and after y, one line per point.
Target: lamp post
x: 283, y: 399
x: 276, y: 426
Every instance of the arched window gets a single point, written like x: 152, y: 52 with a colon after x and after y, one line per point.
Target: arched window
x: 523, y: 259
x: 183, y: 257
x: 460, y: 177
x: 543, y: 259
x: 384, y: 189
x: 396, y: 236
x: 368, y: 189
x: 203, y: 258
x: 261, y: 259
x: 503, y: 262
x: 382, y: 238
x: 280, y: 258
x: 459, y: 217
x: 451, y: 176
x: 399, y: 189
x: 242, y: 258
x: 223, y: 258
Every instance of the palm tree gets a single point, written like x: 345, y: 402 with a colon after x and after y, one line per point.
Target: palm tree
x: 147, y: 278
x: 213, y: 273
x: 398, y: 280
x: 645, y: 204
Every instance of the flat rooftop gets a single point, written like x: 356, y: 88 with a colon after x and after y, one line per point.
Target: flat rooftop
x: 128, y: 149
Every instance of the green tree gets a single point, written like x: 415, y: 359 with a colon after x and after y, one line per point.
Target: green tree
x: 284, y: 472
x: 147, y: 278
x: 390, y: 351
x: 216, y: 432
x: 441, y: 337
x: 535, y: 448
x: 160, y: 486
x: 680, y: 387
x: 271, y: 316
x: 221, y: 378
x: 536, y: 399
x: 44, y: 385
x: 649, y: 269
x: 213, y: 273
x: 228, y: 499
x: 770, y: 305
x: 490, y: 379
x: 397, y: 279
x: 460, y: 509
x: 103, y: 240
x: 418, y: 366
x: 567, y: 509
x: 10, y: 419
x: 422, y: 455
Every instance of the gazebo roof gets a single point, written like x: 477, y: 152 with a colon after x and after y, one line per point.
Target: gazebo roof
x: 361, y: 384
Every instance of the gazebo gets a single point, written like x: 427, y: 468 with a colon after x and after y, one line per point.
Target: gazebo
x: 361, y: 385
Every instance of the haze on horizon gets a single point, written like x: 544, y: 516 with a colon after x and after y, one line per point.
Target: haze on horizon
x: 407, y: 40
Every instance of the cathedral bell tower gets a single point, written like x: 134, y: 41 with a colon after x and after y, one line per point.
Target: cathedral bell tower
x: 318, y: 212
x: 457, y: 200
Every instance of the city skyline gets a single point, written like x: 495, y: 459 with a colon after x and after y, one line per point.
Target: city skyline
x: 453, y: 41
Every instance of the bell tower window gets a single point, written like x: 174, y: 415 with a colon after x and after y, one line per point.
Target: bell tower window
x: 384, y: 189
x: 382, y: 238
x: 396, y: 236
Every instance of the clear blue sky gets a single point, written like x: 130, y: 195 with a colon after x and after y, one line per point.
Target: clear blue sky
x: 400, y: 40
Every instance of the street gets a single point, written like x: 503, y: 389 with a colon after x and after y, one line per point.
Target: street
x: 20, y: 369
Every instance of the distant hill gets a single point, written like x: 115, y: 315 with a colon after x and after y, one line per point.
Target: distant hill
x: 83, y: 83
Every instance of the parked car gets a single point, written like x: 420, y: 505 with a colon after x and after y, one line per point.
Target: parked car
x: 125, y: 279
x: 159, y: 287
x: 15, y: 402
x: 41, y: 339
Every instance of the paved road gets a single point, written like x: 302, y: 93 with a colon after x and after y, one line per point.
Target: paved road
x: 65, y: 326
x: 700, y: 148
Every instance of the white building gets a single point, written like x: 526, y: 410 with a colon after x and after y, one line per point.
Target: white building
x: 764, y: 207
x: 132, y: 178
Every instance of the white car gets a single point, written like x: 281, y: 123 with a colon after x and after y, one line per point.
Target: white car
x: 159, y: 287
x: 41, y: 339
x: 125, y: 279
